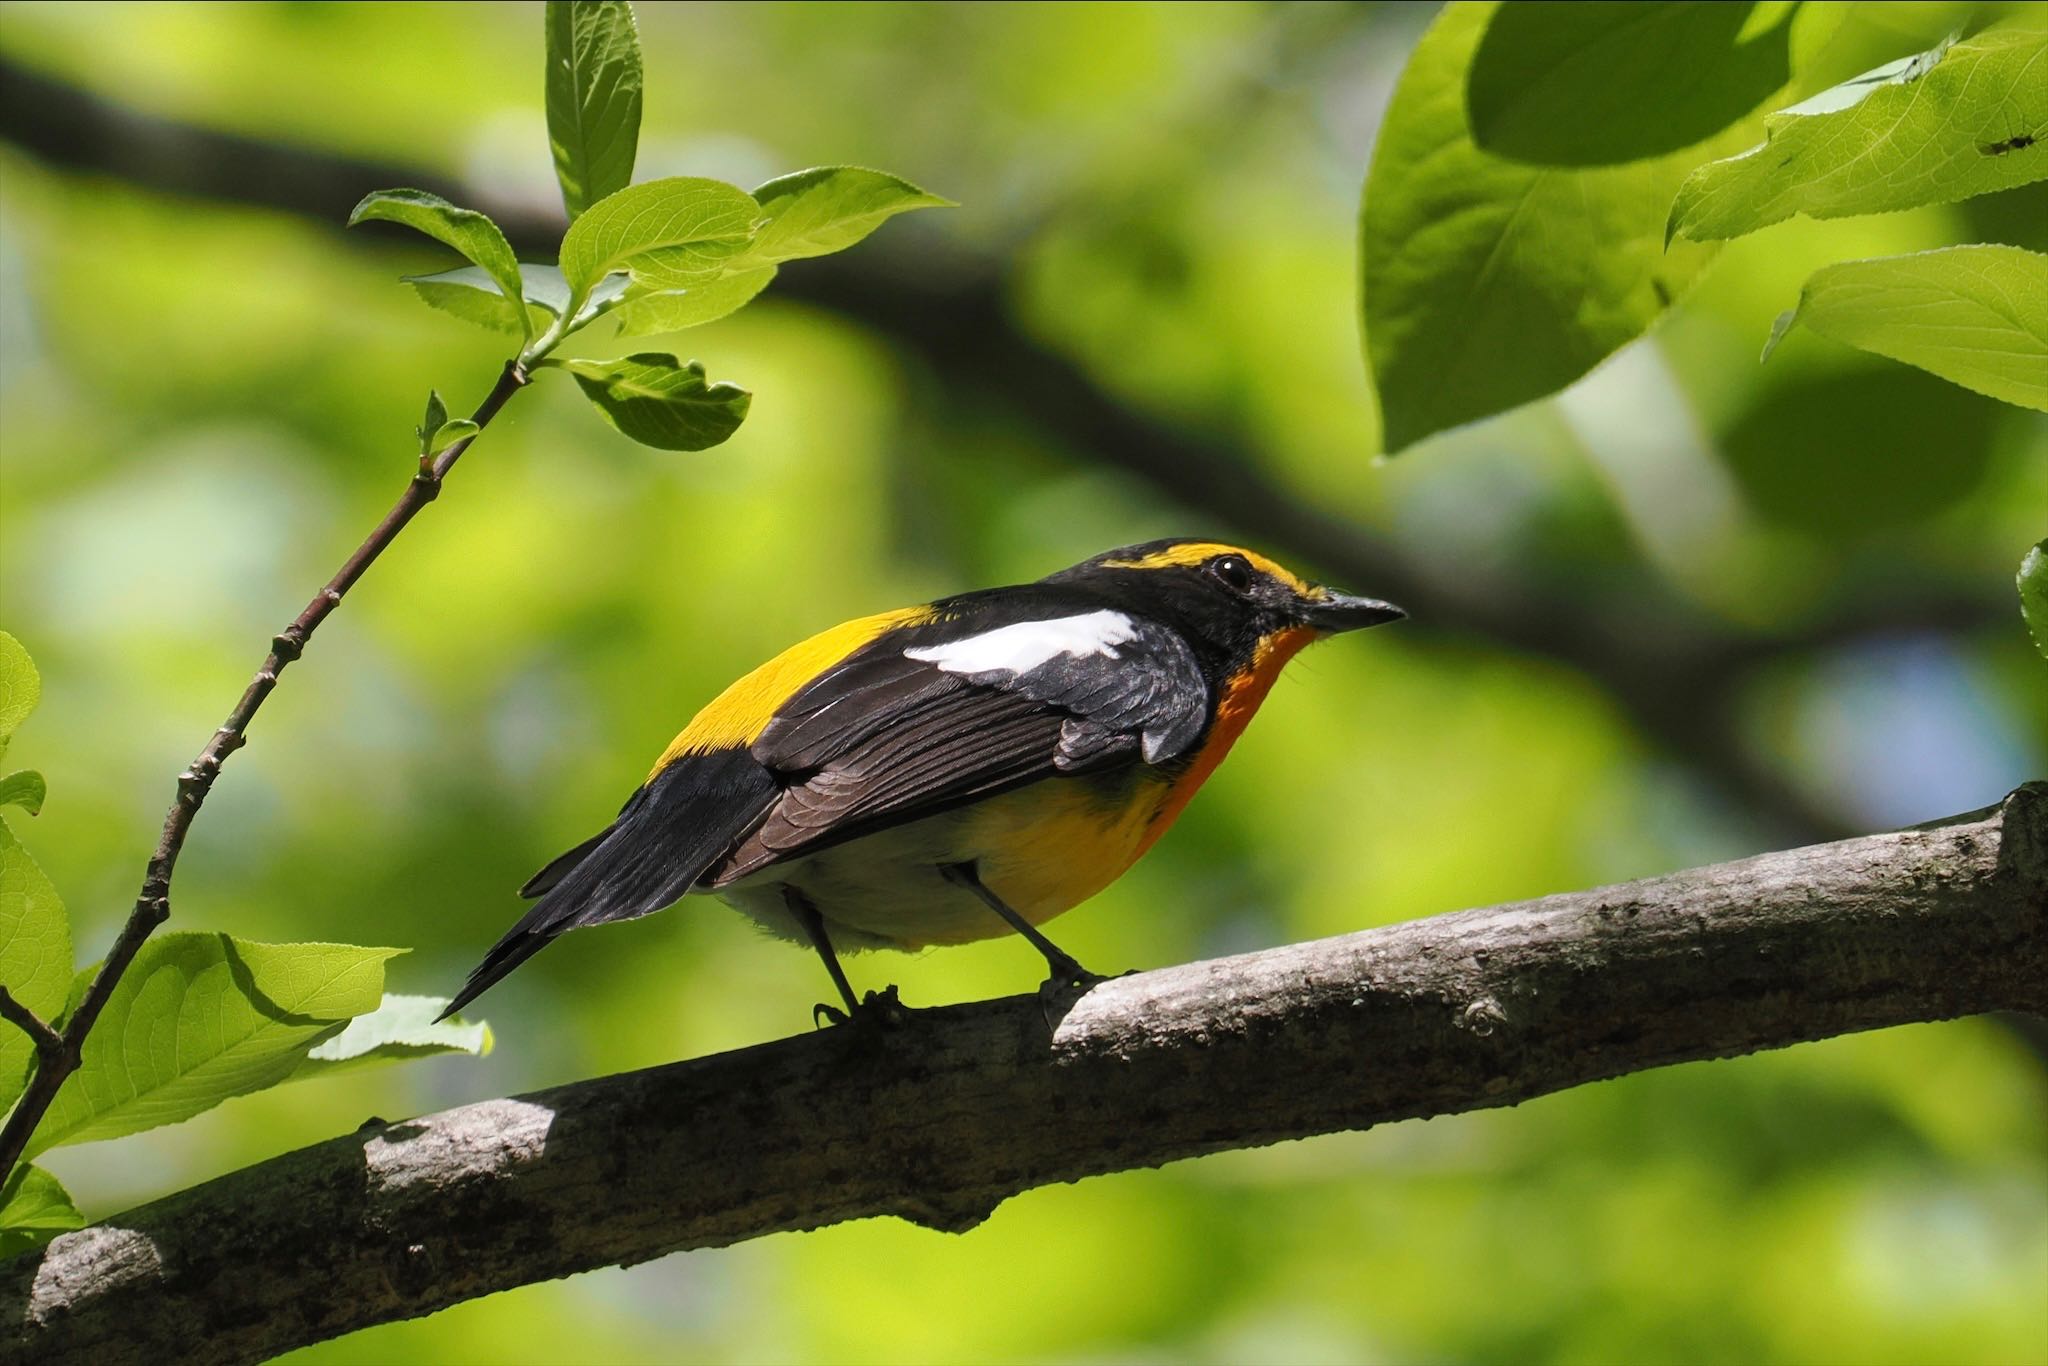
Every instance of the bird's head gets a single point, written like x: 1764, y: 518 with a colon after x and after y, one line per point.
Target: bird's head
x: 1224, y: 597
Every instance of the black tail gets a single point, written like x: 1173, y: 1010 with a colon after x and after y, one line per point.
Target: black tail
x: 667, y: 835
x: 561, y: 865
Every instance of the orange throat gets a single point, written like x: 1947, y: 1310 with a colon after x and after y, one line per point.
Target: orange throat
x: 1234, y: 711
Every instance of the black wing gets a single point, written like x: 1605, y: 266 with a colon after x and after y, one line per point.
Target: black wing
x: 907, y: 727
x: 899, y: 729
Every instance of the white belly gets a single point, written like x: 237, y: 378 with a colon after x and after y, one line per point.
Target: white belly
x: 1042, y: 849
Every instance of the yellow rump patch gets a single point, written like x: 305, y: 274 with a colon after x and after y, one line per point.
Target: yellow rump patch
x: 738, y: 715
x: 1195, y: 552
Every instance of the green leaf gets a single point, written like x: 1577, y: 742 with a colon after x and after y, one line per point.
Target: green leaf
x: 2033, y: 582
x: 35, y: 933
x: 1487, y: 282
x: 471, y: 295
x: 676, y: 309
x: 198, y: 1018
x: 1837, y: 452
x: 35, y: 954
x: 436, y: 414
x: 1953, y: 122
x: 1588, y: 85
x: 1976, y: 316
x: 21, y: 687
x: 829, y: 208
x: 809, y: 213
x: 466, y: 230
x: 24, y: 789
x: 545, y: 287
x: 34, y: 1208
x: 686, y: 226
x: 593, y: 92
x: 400, y: 1028
x: 659, y: 401
x: 448, y: 433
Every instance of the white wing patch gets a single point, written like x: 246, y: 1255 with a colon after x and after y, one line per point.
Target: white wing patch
x: 1025, y: 645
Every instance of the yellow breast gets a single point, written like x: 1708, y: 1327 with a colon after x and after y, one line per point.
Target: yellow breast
x: 1051, y: 846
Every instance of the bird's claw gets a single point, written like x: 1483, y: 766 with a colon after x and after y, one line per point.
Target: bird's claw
x: 882, y: 1009
x: 1068, y: 976
x: 885, y: 1008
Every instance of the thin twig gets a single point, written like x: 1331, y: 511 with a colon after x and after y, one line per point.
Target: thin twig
x: 153, y: 905
x: 49, y: 1043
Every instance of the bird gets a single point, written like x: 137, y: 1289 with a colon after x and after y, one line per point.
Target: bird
x: 954, y: 771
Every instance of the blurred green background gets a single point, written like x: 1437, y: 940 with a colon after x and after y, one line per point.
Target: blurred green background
x: 1692, y: 609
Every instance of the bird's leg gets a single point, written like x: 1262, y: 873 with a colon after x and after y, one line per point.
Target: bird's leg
x: 814, y: 928
x: 882, y: 1007
x: 1065, y: 972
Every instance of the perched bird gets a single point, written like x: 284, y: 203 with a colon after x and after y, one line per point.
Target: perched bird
x: 954, y: 771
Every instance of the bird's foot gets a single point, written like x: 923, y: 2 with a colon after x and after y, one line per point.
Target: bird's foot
x: 1068, y: 976
x: 882, y: 1009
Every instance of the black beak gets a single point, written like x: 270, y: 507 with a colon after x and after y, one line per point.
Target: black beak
x: 1342, y: 612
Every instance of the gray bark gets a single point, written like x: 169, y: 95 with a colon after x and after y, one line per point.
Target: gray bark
x: 942, y: 1119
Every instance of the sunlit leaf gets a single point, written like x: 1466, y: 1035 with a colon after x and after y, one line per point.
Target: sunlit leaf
x: 35, y: 933
x: 24, y: 789
x: 829, y: 208
x: 1958, y: 120
x: 809, y: 213
x: 401, y: 1027
x: 21, y: 687
x: 436, y: 414
x: 686, y: 226
x: 198, y: 1018
x: 674, y: 310
x: 34, y: 1208
x: 448, y: 433
x: 660, y: 401
x: 481, y: 304
x: 473, y: 296
x: 35, y: 954
x: 1570, y: 84
x: 1977, y: 315
x: 545, y: 287
x: 2033, y: 582
x: 593, y: 96
x: 1488, y: 282
x: 466, y: 230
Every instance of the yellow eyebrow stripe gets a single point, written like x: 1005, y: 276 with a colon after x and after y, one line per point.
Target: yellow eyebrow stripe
x: 1195, y: 552
x: 737, y: 716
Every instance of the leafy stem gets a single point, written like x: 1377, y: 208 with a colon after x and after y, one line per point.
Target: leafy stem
x: 58, y: 1052
x: 536, y: 352
x: 679, y: 251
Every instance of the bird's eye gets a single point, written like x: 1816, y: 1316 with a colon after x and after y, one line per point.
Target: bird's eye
x: 1233, y: 572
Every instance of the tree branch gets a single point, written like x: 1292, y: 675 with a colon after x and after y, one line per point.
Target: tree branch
x: 48, y: 1042
x: 942, y: 1120
x: 55, y: 1062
